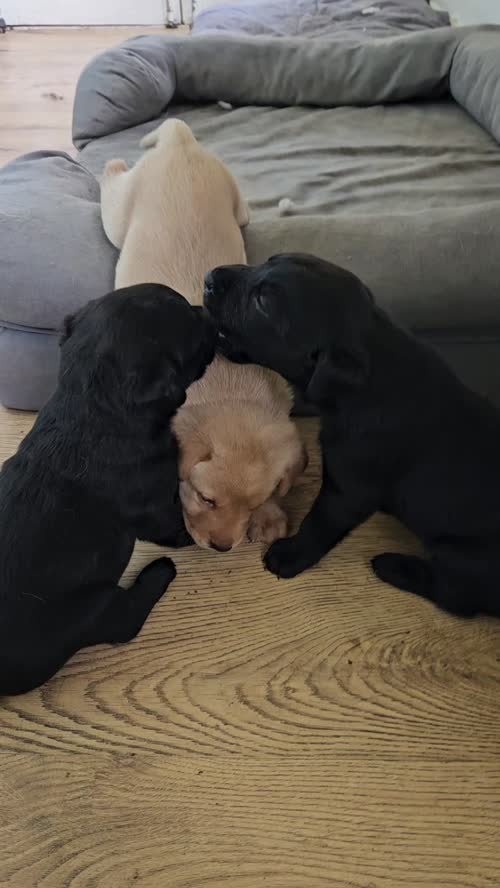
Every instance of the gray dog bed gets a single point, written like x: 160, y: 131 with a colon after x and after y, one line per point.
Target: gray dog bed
x: 54, y: 257
x: 381, y: 131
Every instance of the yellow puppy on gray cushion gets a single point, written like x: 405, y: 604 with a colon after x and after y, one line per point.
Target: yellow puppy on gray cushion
x: 175, y: 216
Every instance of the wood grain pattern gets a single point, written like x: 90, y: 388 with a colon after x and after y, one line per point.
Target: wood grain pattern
x: 39, y: 70
x: 327, y: 731
x: 243, y: 822
x: 323, y: 731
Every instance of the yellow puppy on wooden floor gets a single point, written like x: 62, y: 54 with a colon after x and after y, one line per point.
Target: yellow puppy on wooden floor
x: 175, y: 216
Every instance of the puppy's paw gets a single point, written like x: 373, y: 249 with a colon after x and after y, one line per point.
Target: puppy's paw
x: 406, y: 572
x: 154, y: 579
x: 140, y: 599
x: 286, y: 558
x: 267, y: 524
x: 384, y: 567
x: 115, y: 167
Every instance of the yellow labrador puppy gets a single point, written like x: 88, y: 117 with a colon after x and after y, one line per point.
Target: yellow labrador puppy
x: 174, y: 216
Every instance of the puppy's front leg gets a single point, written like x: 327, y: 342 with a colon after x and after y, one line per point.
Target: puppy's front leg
x: 448, y: 589
x: 42, y: 635
x: 267, y: 523
x: 336, y: 512
x: 131, y: 607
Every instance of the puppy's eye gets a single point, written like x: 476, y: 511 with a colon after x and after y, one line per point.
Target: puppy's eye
x: 205, y: 499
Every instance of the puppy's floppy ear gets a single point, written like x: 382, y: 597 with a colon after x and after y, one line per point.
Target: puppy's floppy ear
x: 192, y: 450
x: 286, y: 453
x: 337, y: 369
x: 148, y: 384
x: 70, y: 322
x: 344, y: 365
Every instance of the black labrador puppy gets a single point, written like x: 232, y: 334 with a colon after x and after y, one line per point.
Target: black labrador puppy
x: 97, y: 471
x: 400, y: 432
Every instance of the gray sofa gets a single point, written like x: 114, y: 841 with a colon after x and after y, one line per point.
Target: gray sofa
x: 384, y: 136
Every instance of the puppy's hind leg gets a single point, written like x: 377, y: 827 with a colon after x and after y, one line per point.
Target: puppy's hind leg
x: 242, y: 212
x: 406, y: 572
x: 420, y: 577
x: 115, y: 192
x: 39, y: 637
x: 115, y: 167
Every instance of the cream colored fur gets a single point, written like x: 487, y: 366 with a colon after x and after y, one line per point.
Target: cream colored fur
x: 176, y: 215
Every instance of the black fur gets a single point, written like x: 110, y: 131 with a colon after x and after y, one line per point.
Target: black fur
x: 400, y: 432
x: 97, y: 471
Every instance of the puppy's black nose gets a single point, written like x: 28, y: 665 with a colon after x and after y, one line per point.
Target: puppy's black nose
x: 220, y: 548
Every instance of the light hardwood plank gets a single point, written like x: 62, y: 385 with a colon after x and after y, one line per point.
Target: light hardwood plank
x: 234, y: 822
x: 39, y: 69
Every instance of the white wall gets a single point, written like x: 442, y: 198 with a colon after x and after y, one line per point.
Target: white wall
x: 153, y: 12
x: 470, y: 12
x: 87, y: 12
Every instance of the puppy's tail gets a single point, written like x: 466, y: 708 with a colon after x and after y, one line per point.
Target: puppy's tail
x: 171, y: 130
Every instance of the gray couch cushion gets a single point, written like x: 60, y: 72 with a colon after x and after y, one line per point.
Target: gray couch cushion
x: 55, y: 255
x: 137, y: 81
x: 29, y: 363
x: 474, y: 78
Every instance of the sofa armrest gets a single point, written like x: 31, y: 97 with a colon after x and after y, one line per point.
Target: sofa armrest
x: 475, y: 77
x: 134, y: 83
x: 125, y: 86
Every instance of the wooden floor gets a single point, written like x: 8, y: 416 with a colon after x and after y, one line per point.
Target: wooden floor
x: 38, y: 74
x: 327, y: 731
